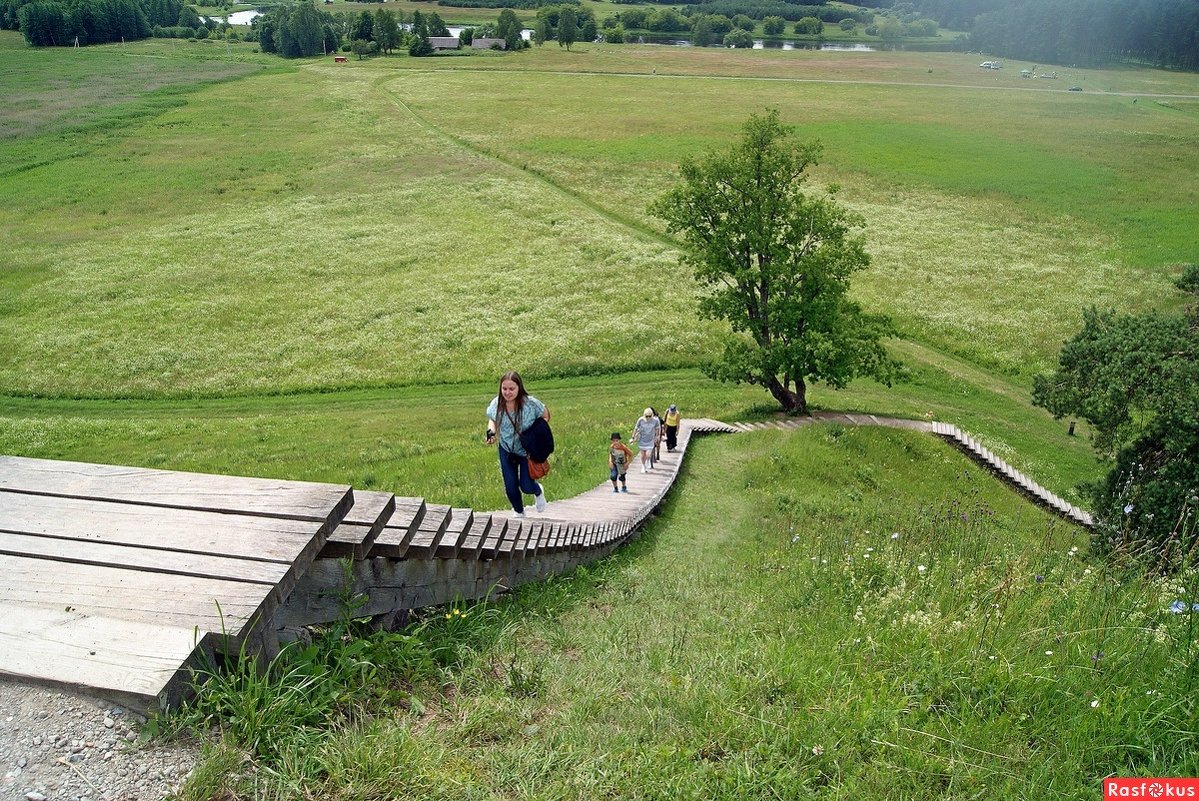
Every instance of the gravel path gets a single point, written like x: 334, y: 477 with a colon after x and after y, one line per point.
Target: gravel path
x: 63, y: 745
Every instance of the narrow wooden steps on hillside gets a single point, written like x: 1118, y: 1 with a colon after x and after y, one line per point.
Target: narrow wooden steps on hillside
x: 356, y: 535
x: 392, y: 542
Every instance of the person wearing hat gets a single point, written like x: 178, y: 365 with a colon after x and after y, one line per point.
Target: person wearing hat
x: 672, y: 428
x: 645, y: 434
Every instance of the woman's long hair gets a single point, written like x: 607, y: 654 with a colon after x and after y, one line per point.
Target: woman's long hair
x: 519, y: 400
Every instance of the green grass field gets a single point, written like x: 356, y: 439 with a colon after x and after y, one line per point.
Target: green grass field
x: 214, y: 260
x: 832, y: 613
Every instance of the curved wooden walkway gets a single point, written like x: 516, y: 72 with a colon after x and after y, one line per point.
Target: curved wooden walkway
x: 120, y: 579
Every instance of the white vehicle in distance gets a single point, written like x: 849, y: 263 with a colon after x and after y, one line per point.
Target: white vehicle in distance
x: 991, y: 65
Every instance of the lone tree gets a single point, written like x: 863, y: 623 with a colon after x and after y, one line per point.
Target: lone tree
x: 775, y: 263
x: 1133, y: 377
x: 568, y: 27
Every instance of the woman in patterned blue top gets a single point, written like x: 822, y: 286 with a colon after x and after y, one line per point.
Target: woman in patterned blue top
x: 510, y: 412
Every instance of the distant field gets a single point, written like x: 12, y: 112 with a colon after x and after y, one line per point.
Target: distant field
x: 393, y: 223
x: 990, y: 214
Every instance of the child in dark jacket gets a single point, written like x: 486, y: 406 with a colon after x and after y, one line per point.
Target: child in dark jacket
x: 619, y: 457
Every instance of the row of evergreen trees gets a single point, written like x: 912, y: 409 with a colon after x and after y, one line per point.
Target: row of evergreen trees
x: 65, y: 22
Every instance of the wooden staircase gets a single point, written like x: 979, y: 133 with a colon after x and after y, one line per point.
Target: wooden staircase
x: 123, y: 579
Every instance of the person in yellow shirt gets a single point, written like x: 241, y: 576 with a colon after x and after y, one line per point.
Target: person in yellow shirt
x: 672, y: 427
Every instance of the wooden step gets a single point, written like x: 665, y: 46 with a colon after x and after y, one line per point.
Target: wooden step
x: 459, y: 524
x: 428, y: 534
x: 472, y: 543
x: 400, y: 528
x: 361, y: 525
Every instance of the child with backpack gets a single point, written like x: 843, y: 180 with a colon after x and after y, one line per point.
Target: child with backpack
x: 619, y: 457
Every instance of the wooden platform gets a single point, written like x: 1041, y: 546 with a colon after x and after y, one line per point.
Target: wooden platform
x: 119, y: 579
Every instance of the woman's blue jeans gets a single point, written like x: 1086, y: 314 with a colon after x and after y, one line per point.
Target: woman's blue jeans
x: 515, y: 470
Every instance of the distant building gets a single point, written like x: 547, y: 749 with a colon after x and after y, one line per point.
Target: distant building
x: 444, y: 42
x: 485, y: 43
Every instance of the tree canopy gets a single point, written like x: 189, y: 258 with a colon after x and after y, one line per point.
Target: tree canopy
x: 775, y: 263
x: 568, y: 31
x: 1133, y: 377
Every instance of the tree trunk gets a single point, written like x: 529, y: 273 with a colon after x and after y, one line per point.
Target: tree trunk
x: 793, y: 403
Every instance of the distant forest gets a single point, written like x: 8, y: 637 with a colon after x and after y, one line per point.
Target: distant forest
x: 1163, y: 33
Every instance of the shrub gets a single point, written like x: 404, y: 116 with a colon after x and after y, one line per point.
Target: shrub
x: 739, y: 39
x: 809, y: 26
x: 848, y: 24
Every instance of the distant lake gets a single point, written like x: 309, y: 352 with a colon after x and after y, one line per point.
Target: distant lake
x: 237, y: 17
x: 760, y: 44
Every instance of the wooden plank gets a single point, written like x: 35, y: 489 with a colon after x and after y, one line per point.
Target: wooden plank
x: 227, y: 607
x: 496, y: 535
x: 549, y: 538
x: 179, y: 530
x: 459, y: 523
x: 138, y: 663
x: 520, y: 542
x: 539, y: 532
x: 392, y: 541
x: 472, y: 544
x: 362, y: 524
x: 513, y: 532
x: 437, y: 517
x: 53, y: 549
x: 290, y: 500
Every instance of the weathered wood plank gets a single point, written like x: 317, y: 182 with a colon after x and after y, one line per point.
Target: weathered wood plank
x: 496, y: 536
x: 179, y: 530
x: 141, y: 664
x: 361, y: 525
x: 53, y: 549
x: 451, y: 539
x: 228, y: 607
x: 437, y: 518
x: 291, y: 500
x: 472, y: 544
x: 392, y: 541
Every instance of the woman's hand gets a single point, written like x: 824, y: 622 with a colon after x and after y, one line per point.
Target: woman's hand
x: 490, y: 437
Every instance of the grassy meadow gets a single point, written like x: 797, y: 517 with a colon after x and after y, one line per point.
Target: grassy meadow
x: 827, y: 614
x: 215, y: 260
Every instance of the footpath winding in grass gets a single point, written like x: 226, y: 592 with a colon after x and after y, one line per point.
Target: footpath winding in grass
x: 825, y: 613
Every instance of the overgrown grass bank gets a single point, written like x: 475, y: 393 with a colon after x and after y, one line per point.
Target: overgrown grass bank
x: 828, y: 613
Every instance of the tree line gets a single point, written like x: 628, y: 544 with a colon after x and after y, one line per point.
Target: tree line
x: 1164, y: 33
x: 46, y: 23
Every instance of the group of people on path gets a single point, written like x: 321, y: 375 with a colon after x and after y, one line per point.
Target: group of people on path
x: 513, y: 411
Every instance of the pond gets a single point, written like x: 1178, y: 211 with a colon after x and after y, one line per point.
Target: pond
x: 761, y: 44
x: 236, y: 18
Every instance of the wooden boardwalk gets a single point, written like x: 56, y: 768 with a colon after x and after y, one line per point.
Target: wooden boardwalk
x: 121, y: 579
x: 117, y: 578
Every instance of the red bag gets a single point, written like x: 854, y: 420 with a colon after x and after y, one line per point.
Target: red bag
x: 538, y: 469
